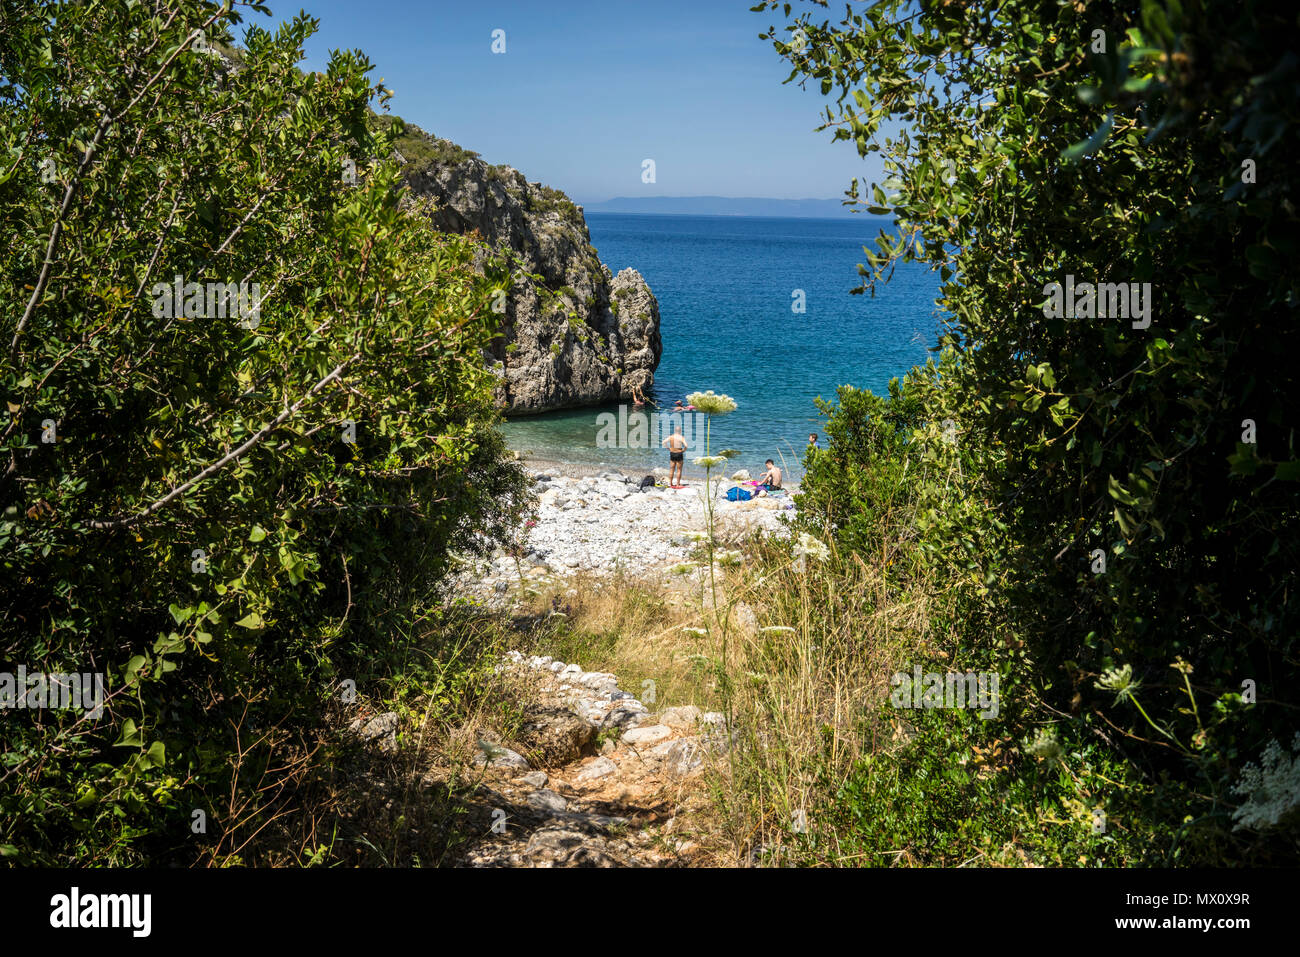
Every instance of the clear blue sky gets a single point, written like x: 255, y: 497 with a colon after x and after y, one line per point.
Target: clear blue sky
x: 587, y: 89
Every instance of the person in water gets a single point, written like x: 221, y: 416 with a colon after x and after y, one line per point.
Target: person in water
x: 676, y: 446
x: 812, y: 438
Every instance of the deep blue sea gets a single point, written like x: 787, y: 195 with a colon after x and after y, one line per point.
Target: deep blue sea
x: 725, y: 287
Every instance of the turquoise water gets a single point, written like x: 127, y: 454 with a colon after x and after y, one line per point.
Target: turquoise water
x: 724, y: 285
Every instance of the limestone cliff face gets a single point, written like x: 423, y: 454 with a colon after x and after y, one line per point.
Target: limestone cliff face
x: 574, y: 334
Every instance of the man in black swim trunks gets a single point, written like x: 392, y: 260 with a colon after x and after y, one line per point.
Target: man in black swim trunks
x: 769, y: 480
x: 676, y: 446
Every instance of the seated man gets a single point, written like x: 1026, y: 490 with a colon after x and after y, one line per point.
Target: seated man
x: 769, y: 480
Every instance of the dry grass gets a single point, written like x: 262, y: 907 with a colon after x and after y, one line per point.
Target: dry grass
x: 633, y: 629
x: 806, y: 700
x: 800, y: 662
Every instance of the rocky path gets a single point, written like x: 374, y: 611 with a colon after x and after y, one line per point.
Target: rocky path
x: 595, y: 779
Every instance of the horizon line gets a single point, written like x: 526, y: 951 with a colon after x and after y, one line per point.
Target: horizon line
x: 765, y: 199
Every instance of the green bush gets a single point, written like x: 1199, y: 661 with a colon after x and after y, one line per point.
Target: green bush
x: 548, y: 199
x: 897, y: 483
x: 421, y: 150
x: 1104, y: 437
x: 207, y: 529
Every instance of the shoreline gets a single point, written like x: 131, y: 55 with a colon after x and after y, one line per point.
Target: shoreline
x: 538, y: 465
x: 569, y: 450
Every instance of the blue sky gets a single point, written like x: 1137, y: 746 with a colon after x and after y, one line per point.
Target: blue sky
x: 588, y: 89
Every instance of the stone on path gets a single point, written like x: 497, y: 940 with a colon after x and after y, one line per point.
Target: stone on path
x: 557, y: 734
x: 600, y: 768
x: 547, y: 800
x: 496, y: 756
x: 621, y: 717
x: 684, y: 716
x: 560, y: 846
x: 679, y: 757
x: 570, y: 821
x: 382, y: 728
x: 652, y: 734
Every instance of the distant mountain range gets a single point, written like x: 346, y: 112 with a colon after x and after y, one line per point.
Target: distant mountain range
x: 722, y: 206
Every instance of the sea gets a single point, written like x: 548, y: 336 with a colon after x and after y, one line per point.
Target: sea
x: 730, y: 290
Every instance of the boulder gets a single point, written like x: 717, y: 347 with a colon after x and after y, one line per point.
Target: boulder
x: 555, y: 735
x: 381, y: 729
x: 547, y: 800
x: 594, y: 771
x: 562, y: 846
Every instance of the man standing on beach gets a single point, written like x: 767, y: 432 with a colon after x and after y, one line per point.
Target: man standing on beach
x: 676, y: 446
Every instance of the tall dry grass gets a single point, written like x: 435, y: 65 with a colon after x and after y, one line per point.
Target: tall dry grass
x: 800, y: 662
x: 809, y: 655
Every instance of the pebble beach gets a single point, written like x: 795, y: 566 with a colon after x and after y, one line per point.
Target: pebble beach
x: 595, y: 521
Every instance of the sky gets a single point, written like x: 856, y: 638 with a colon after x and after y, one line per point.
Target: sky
x: 586, y: 90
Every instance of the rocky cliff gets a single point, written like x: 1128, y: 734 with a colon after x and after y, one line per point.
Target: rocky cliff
x: 573, y: 333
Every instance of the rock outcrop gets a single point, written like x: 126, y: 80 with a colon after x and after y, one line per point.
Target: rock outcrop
x: 573, y: 333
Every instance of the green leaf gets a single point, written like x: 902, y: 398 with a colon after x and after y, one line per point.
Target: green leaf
x: 1244, y: 461
x: 1263, y: 262
x: 1118, y: 492
x: 134, y: 665
x: 155, y: 754
x: 1092, y: 144
x: 131, y: 737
